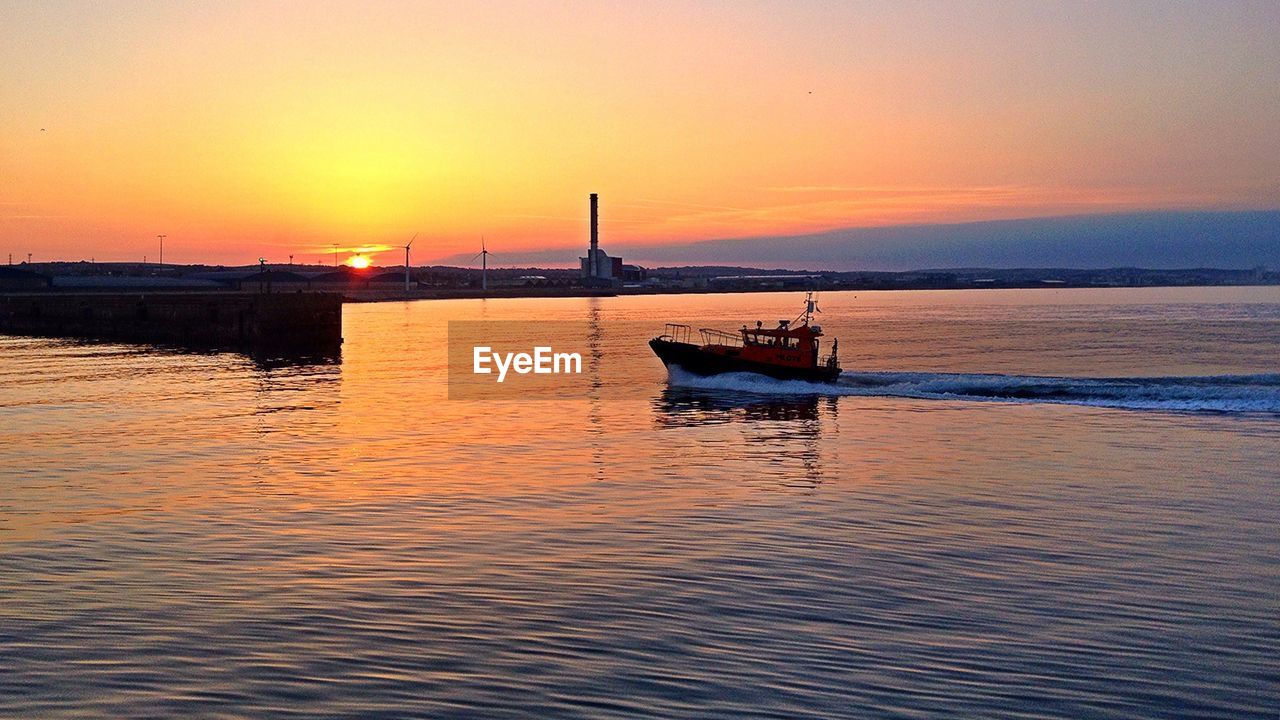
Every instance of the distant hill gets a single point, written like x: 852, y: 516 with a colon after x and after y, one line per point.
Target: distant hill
x: 1151, y: 240
x: 1161, y: 240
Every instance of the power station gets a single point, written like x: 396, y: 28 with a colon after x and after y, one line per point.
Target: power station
x: 598, y: 269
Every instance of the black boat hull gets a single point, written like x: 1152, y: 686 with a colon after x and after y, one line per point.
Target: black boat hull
x: 694, y: 359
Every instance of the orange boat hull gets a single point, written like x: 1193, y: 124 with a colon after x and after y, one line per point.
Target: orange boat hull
x: 699, y: 361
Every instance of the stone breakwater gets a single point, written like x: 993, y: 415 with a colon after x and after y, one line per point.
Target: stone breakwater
x: 284, y: 321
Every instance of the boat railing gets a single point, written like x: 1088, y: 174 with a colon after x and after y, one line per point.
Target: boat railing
x: 719, y: 337
x: 676, y: 333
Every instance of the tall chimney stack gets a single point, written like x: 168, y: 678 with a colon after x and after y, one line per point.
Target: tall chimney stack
x: 593, y: 261
x: 595, y: 221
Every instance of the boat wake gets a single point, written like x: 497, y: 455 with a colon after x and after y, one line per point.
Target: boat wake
x: 1214, y: 393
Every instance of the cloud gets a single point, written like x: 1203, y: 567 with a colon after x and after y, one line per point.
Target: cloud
x: 357, y: 249
x: 21, y: 210
x: 797, y: 209
x: 1157, y: 239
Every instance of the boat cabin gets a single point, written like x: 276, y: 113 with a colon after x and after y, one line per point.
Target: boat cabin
x: 789, y: 350
x: 787, y: 344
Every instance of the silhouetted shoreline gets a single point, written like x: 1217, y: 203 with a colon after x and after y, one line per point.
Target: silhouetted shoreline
x: 445, y: 282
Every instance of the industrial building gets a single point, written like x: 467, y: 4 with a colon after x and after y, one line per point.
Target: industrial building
x: 599, y: 270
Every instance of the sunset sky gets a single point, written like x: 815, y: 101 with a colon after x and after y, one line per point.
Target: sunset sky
x: 254, y: 129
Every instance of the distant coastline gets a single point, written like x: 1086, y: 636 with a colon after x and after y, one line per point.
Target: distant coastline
x: 449, y: 282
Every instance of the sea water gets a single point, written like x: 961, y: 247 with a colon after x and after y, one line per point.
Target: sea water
x: 1044, y: 503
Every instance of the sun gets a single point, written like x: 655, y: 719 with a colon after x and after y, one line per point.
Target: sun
x: 358, y: 262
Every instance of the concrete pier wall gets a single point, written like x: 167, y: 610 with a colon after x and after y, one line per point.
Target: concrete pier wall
x: 283, y: 321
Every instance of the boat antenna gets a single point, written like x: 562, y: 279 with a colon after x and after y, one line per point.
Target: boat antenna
x: 810, y: 307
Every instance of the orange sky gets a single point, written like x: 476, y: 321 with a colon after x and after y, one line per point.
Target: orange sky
x: 254, y: 129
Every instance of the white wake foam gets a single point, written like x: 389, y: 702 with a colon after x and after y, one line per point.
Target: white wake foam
x: 1215, y: 393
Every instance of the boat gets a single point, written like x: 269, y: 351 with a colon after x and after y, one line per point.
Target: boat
x: 788, y: 352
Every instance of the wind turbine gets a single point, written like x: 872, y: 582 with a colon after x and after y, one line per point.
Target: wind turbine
x: 406, y: 261
x: 484, y: 265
